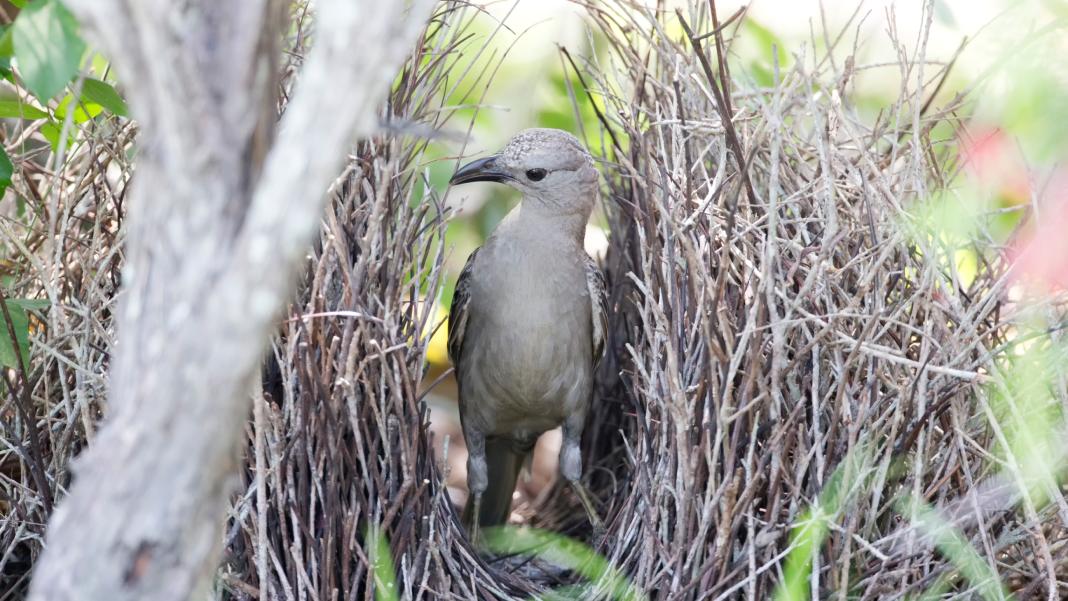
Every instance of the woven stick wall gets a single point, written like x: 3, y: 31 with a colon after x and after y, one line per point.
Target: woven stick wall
x: 787, y: 332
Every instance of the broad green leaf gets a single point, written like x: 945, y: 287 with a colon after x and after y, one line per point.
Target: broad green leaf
x: 52, y: 130
x: 18, y: 3
x: 13, y: 108
x: 7, y: 48
x: 103, y: 94
x: 83, y: 112
x: 6, y: 169
x: 31, y: 304
x: 20, y: 321
x: 48, y: 48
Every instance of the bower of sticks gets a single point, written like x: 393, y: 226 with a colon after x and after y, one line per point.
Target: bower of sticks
x: 782, y: 334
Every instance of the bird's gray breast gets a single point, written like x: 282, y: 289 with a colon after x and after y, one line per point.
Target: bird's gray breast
x: 528, y: 351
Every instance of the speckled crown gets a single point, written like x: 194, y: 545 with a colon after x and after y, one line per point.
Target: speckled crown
x: 561, y: 148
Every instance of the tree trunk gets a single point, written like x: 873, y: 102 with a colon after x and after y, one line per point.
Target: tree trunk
x: 220, y: 217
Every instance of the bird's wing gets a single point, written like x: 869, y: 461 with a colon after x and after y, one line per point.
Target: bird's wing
x: 458, y: 312
x: 599, y: 303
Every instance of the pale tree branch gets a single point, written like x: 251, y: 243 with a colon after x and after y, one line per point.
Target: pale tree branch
x: 220, y: 216
x: 277, y: 225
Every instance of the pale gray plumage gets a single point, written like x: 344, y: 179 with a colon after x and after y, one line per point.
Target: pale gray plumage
x: 528, y: 320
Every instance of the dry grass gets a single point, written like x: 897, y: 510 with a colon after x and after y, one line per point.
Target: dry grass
x: 780, y: 331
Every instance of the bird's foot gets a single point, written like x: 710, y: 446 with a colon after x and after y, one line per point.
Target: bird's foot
x: 473, y: 530
x: 591, y: 512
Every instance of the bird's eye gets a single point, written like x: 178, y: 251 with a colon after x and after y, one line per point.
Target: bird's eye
x: 535, y: 175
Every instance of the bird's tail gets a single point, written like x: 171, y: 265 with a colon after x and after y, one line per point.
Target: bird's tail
x: 504, y: 460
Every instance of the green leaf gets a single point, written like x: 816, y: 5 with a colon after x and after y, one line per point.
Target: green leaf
x: 7, y: 48
x: 31, y: 304
x: 13, y: 108
x: 83, y: 112
x: 18, y: 3
x: 20, y: 321
x: 6, y: 169
x: 52, y: 130
x: 105, y: 95
x: 48, y: 48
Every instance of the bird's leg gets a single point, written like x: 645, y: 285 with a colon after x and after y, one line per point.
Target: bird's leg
x: 571, y: 468
x: 477, y: 479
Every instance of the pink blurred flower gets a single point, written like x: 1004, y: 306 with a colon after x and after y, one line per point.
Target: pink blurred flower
x: 1039, y: 249
x: 992, y: 159
x: 1040, y: 252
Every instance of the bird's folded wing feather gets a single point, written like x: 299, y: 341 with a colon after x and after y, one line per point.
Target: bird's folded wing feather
x: 458, y: 312
x: 599, y: 305
x: 461, y: 298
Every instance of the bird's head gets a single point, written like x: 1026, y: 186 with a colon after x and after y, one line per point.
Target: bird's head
x: 549, y: 166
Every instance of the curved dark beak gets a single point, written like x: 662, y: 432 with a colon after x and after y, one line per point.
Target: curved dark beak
x: 481, y: 170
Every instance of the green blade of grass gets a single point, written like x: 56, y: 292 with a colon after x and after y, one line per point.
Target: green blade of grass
x: 810, y: 529
x: 385, y: 574
x: 564, y: 552
x: 955, y: 547
x: 808, y: 535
